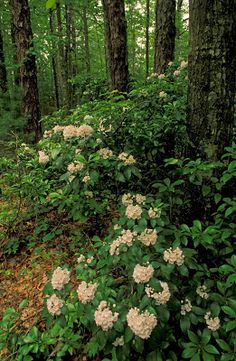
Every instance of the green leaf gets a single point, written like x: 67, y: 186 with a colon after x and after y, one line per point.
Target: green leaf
x: 194, y: 338
x: 211, y: 349
x: 196, y: 357
x: 231, y: 325
x: 229, y: 311
x: 50, y: 4
x: 189, y: 352
x: 23, y: 304
x: 128, y: 335
x: 207, y: 357
x: 223, y: 345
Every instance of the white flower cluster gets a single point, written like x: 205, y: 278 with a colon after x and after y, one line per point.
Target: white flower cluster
x: 126, y: 237
x: 54, y: 305
x: 154, y: 213
x: 82, y: 258
x: 70, y: 131
x: 202, y: 292
x: 43, y: 157
x: 88, y: 117
x: 75, y: 167
x: 141, y: 323
x: 86, y: 179
x: 58, y: 129
x: 127, y: 199
x: 119, y: 341
x: 186, y: 307
x: 213, y: 323
x: 60, y: 277
x: 148, y: 237
x: 86, y: 291
x: 162, y: 297
x: 126, y: 158
x: 104, y: 317
x: 174, y: 256
x: 143, y: 274
x: 133, y: 212
x: 162, y: 94
x: 105, y: 153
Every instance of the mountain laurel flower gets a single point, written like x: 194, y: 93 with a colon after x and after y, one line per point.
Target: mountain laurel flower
x: 60, y: 277
x: 133, y: 212
x: 54, y: 305
x: 84, y: 130
x: 154, y: 213
x: 104, y: 317
x: 75, y: 167
x: 88, y: 117
x: 86, y: 179
x: 148, y: 237
x: 126, y: 238
x: 90, y: 259
x: 86, y: 291
x: 119, y: 341
x: 70, y: 131
x: 183, y: 64
x: 43, y: 157
x: 141, y: 323
x: 201, y: 291
x: 105, y: 153
x: 161, y: 76
x: 58, y: 128
x: 174, y: 256
x: 176, y: 72
x: 81, y: 259
x: 186, y: 307
x: 162, y: 94
x: 126, y: 158
x: 71, y: 178
x: 213, y: 323
x: 143, y: 274
x: 140, y: 199
x: 127, y: 199
x: 162, y: 297
x: 47, y: 134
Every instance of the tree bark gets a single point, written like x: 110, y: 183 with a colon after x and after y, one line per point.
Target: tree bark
x: 86, y: 39
x: 54, y: 67
x: 68, y: 53
x: 3, y: 70
x: 147, y: 35
x: 60, y: 59
x: 212, y: 68
x: 164, y: 34
x: 116, y: 37
x: 23, y: 36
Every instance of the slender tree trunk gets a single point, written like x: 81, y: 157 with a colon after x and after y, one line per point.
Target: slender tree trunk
x: 117, y: 43
x: 212, y: 68
x: 164, y: 34
x: 22, y: 33
x: 68, y: 53
x: 147, y: 35
x: 54, y: 68
x: 107, y: 47
x: 60, y: 59
x: 86, y: 39
x: 3, y: 70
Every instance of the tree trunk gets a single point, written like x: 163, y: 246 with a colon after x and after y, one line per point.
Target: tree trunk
x: 3, y: 71
x: 116, y: 37
x: 54, y: 67
x: 60, y: 59
x: 86, y: 39
x: 68, y: 53
x: 212, y: 69
x: 22, y: 33
x: 147, y: 35
x: 164, y: 34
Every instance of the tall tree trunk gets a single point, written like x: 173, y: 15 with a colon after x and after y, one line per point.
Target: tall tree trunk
x: 3, y: 70
x: 68, y: 53
x: 147, y: 35
x: 212, y: 68
x: 54, y: 67
x: 164, y: 34
x: 86, y: 39
x: 60, y: 59
x: 22, y: 33
x: 117, y: 43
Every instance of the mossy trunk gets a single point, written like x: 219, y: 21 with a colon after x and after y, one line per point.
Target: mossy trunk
x: 22, y: 33
x: 165, y: 32
x: 116, y: 37
x: 212, y: 68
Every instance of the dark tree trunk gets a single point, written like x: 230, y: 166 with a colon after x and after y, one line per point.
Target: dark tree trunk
x: 116, y: 37
x: 86, y: 39
x: 60, y: 59
x: 68, y: 52
x: 164, y: 34
x: 22, y: 33
x: 3, y: 71
x: 212, y: 69
x: 54, y: 67
x: 147, y: 35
